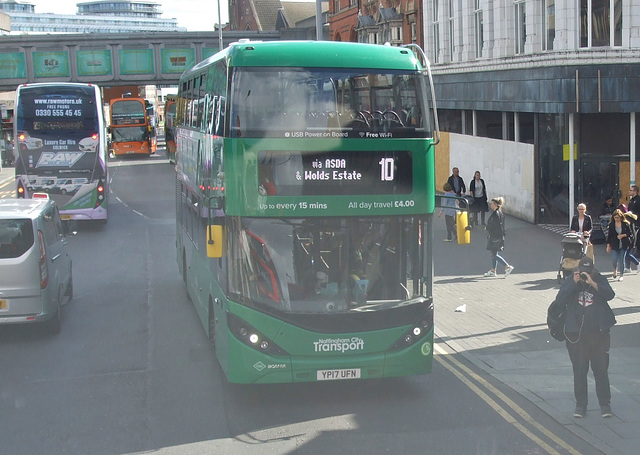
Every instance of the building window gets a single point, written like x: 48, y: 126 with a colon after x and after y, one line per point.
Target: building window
x: 396, y: 34
x: 521, y: 26
x: 436, y: 33
x: 451, y: 31
x: 616, y: 22
x: 549, y: 16
x: 596, y: 23
x: 414, y: 32
x: 336, y: 6
x: 478, y: 27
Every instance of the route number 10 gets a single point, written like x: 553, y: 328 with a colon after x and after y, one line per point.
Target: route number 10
x: 387, y: 166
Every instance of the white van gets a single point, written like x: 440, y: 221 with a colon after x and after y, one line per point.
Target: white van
x: 36, y: 267
x: 67, y: 186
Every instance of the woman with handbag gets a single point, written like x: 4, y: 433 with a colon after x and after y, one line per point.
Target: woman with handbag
x: 478, y: 189
x: 495, y: 238
x: 618, y: 242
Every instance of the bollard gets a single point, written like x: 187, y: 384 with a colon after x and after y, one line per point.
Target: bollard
x: 462, y: 227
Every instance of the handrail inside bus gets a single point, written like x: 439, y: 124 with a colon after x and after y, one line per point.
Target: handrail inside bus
x: 426, y: 64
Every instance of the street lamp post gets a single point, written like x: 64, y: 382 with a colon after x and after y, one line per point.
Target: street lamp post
x: 219, y: 28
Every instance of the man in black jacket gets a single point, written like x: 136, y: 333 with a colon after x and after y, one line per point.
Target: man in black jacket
x: 457, y: 182
x: 587, y: 323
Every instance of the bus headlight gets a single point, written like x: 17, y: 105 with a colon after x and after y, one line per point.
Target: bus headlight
x: 249, y: 336
x: 416, y: 333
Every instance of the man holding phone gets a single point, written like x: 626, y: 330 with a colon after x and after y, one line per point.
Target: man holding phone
x: 587, y: 323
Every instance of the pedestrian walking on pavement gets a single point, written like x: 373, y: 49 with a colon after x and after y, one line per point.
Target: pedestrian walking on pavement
x: 582, y: 222
x: 449, y: 211
x: 587, y: 322
x: 495, y: 238
x: 457, y: 182
x: 618, y: 242
x: 632, y: 251
x: 634, y: 210
x: 478, y: 190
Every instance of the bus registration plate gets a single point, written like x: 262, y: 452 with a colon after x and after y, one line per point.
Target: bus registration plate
x: 331, y: 375
x: 65, y: 217
x: 4, y: 305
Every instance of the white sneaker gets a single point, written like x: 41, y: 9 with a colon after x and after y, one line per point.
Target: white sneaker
x: 508, y: 270
x: 620, y: 278
x: 627, y: 270
x: 490, y: 273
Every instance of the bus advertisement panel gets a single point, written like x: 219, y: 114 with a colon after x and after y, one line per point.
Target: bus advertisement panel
x: 130, y: 127
x: 61, y: 147
x: 305, y: 209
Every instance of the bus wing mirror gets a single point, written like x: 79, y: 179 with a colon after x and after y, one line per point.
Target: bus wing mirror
x: 214, y: 241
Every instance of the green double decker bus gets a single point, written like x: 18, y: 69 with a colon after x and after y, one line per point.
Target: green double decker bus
x: 305, y: 204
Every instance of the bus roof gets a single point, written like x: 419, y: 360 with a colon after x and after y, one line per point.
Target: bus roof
x: 61, y: 87
x: 131, y: 98
x: 315, y: 54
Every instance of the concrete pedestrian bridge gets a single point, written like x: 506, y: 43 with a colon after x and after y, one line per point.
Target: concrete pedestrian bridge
x: 109, y: 59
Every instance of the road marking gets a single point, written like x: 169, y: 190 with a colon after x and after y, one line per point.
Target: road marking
x: 466, y: 376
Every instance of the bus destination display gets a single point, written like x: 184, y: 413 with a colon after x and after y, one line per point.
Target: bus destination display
x: 287, y: 173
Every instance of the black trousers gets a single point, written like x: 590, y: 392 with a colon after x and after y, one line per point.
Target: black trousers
x: 592, y: 349
x: 450, y: 221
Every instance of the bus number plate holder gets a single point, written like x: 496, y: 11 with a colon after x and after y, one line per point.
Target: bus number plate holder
x: 333, y: 375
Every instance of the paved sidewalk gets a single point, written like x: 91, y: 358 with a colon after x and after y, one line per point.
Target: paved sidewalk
x: 504, y: 332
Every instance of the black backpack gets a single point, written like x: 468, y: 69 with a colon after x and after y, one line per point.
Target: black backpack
x: 555, y: 320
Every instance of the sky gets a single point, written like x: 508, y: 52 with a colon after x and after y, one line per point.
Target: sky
x: 195, y: 15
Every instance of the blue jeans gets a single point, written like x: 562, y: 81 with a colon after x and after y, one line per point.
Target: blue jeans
x: 495, y: 257
x: 629, y: 259
x: 617, y: 259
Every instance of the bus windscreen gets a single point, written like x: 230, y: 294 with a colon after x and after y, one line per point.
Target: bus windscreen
x: 57, y: 133
x: 328, y: 103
